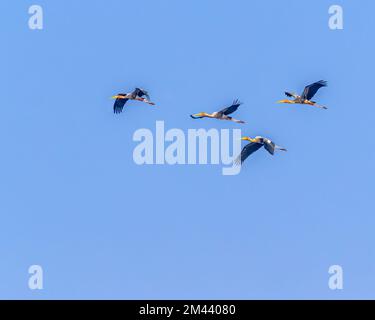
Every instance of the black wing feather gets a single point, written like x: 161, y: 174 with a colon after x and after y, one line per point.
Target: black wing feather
x: 312, y: 89
x: 247, y: 151
x: 119, y: 105
x: 141, y: 92
x: 236, y: 103
x: 269, y: 146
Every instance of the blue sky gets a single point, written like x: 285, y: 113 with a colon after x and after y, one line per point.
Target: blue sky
x: 74, y: 202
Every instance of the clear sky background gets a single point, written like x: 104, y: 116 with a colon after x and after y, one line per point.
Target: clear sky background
x: 74, y: 202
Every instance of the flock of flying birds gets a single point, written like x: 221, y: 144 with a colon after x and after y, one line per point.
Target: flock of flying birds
x: 254, y: 143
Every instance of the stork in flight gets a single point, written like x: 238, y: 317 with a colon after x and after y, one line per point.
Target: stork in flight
x: 254, y: 145
x: 222, y: 114
x: 122, y: 98
x: 306, y: 96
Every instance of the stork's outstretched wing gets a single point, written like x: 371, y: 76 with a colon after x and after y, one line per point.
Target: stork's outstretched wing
x: 312, y: 89
x: 119, y: 105
x: 269, y: 146
x: 141, y: 92
x: 247, y: 151
x: 232, y: 108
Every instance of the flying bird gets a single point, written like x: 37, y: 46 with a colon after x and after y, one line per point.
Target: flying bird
x: 306, y: 96
x: 254, y: 145
x: 221, y: 115
x: 121, y: 99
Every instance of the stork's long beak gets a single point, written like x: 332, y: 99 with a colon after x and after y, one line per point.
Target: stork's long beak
x: 118, y: 97
x: 246, y: 138
x: 284, y: 101
x: 196, y: 116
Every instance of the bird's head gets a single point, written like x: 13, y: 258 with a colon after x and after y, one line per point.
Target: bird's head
x: 285, y: 101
